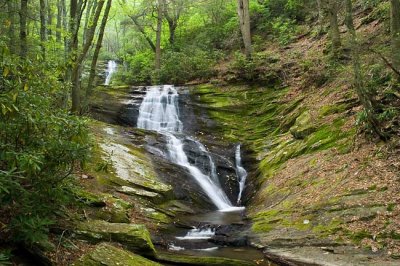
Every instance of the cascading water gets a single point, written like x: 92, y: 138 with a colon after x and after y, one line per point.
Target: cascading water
x: 111, y: 68
x: 159, y: 112
x: 240, y: 172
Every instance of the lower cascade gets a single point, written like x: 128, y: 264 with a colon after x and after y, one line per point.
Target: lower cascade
x: 240, y: 172
x: 159, y: 111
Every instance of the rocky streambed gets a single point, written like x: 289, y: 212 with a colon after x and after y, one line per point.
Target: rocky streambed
x: 141, y: 186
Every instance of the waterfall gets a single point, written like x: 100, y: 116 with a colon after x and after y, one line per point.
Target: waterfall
x: 111, y: 68
x: 240, y: 172
x: 159, y: 111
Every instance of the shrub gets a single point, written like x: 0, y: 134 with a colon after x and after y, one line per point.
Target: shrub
x: 40, y: 143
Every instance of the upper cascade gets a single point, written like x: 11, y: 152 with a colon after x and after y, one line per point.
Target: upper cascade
x: 111, y: 68
x: 159, y: 111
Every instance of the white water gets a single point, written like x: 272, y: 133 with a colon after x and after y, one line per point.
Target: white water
x: 198, y: 234
x: 240, y: 172
x: 111, y: 68
x: 159, y: 112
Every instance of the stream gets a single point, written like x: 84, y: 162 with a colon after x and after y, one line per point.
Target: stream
x: 159, y: 112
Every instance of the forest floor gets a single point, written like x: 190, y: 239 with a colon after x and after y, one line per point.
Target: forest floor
x: 323, y: 181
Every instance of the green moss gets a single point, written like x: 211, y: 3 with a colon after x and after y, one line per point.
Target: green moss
x: 357, y: 237
x: 327, y: 229
x: 135, y: 236
x: 108, y: 255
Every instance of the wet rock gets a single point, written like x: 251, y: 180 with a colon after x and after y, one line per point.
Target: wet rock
x: 108, y: 255
x: 181, y: 259
x: 134, y: 236
x: 303, y: 126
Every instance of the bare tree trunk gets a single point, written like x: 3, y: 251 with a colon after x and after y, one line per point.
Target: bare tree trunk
x: 59, y: 21
x: 320, y: 16
x: 90, y: 10
x: 43, y: 37
x: 23, y: 14
x: 96, y: 53
x: 142, y: 30
x: 158, y: 33
x: 11, y: 29
x: 49, y: 19
x: 244, y: 19
x: 65, y: 25
x: 365, y: 96
x: 395, y: 29
x: 334, y: 27
x: 76, y: 67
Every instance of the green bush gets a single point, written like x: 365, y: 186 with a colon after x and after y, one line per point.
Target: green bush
x: 40, y: 143
x: 189, y: 64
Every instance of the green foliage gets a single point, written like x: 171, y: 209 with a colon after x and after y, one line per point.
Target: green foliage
x: 284, y: 30
x: 40, y: 143
x: 5, y: 256
x: 189, y: 64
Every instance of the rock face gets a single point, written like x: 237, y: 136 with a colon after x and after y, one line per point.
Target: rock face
x: 134, y: 236
x: 108, y: 255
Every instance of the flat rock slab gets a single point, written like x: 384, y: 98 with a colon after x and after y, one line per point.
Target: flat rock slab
x: 137, y: 192
x: 181, y: 259
x: 135, y: 237
x: 107, y: 255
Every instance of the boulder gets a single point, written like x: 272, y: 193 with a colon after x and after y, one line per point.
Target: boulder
x: 136, y: 237
x: 303, y: 126
x: 108, y: 255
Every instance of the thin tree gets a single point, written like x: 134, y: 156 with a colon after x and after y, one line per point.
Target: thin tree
x: 333, y: 9
x: 96, y: 53
x: 43, y: 37
x: 23, y: 14
x: 160, y: 13
x: 365, y: 96
x: 78, y: 59
x: 244, y: 19
x: 11, y: 28
x: 395, y: 31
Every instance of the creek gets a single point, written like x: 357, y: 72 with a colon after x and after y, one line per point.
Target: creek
x: 215, y: 232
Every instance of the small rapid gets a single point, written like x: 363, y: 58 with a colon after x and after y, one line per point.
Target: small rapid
x: 111, y: 68
x: 159, y: 111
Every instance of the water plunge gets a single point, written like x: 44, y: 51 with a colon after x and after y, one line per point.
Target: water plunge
x: 159, y: 111
x: 111, y: 68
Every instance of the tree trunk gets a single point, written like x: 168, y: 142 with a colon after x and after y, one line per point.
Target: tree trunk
x: 59, y: 21
x: 76, y: 67
x: 395, y: 29
x: 92, y: 74
x: 334, y: 27
x: 65, y: 25
x: 23, y: 14
x: 11, y: 29
x: 91, y: 8
x: 142, y: 30
x: 158, y: 34
x: 320, y: 16
x: 365, y: 96
x: 43, y: 37
x: 244, y: 19
x: 49, y: 19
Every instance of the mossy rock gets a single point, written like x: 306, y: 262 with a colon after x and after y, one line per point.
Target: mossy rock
x: 181, y: 259
x: 303, y: 126
x: 137, y: 192
x: 89, y: 198
x: 136, y: 237
x: 108, y: 255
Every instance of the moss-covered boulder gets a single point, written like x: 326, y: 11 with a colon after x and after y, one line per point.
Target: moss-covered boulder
x: 303, y: 126
x: 181, y: 259
x: 108, y: 255
x: 136, y: 237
